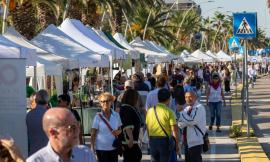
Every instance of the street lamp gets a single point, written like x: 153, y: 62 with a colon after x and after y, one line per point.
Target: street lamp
x: 192, y: 6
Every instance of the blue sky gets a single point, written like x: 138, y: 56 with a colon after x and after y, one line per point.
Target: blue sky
x: 259, y: 6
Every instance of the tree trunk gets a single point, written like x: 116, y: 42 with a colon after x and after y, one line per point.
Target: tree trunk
x: 45, y: 16
x: 118, y: 19
x: 75, y: 10
x: 89, y: 14
x: 23, y: 18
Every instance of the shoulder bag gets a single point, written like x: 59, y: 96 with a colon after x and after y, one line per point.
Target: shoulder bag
x: 172, y: 142
x: 117, y: 143
x: 206, y: 142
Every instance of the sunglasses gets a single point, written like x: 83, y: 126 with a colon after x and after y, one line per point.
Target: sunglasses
x: 72, y: 127
x: 105, y: 101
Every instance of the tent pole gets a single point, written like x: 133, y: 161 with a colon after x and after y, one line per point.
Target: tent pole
x: 111, y: 73
x: 35, y: 78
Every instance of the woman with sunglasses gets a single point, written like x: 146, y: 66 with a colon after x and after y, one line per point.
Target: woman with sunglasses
x: 105, y: 129
x: 214, y: 97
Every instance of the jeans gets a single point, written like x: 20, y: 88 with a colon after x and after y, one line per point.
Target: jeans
x: 159, y: 149
x: 193, y: 154
x: 215, y: 109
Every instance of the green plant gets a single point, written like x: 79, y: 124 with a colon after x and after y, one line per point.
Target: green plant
x: 235, y: 131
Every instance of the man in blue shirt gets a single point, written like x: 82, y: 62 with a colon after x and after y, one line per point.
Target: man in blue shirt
x: 36, y: 136
x: 62, y: 129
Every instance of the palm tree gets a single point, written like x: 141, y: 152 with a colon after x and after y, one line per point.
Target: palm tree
x: 23, y: 18
x: 218, y: 24
x: 155, y: 30
x: 185, y: 25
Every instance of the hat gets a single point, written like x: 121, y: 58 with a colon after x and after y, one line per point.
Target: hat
x: 129, y: 83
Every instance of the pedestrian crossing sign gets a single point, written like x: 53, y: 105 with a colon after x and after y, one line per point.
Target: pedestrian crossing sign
x: 234, y: 44
x: 245, y: 25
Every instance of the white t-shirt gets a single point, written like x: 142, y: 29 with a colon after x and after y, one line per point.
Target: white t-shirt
x: 104, y: 137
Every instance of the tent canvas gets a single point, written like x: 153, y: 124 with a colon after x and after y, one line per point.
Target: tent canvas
x: 222, y: 56
x: 188, y: 58
x: 152, y: 56
x: 55, y: 41
x: 164, y: 50
x: 89, y: 39
x: 209, y: 53
x: 10, y: 50
x: 122, y: 40
x: 202, y: 56
x: 106, y: 39
x: 16, y: 37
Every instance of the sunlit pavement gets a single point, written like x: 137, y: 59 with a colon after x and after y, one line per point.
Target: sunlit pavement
x: 260, y: 111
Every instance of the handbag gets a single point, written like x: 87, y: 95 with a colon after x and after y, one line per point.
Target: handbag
x: 172, y: 142
x: 206, y: 142
x: 117, y: 143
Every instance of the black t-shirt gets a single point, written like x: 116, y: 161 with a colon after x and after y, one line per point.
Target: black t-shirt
x: 130, y: 117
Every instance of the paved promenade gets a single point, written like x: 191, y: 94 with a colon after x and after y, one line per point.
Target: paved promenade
x: 260, y: 111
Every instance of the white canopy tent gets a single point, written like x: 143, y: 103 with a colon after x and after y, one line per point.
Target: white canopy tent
x: 202, y: 56
x: 122, y: 40
x: 209, y: 53
x: 55, y: 41
x: 13, y: 50
x: 188, y: 58
x: 16, y: 37
x: 222, y: 56
x: 47, y: 64
x: 152, y: 56
x: 89, y: 39
x: 153, y: 45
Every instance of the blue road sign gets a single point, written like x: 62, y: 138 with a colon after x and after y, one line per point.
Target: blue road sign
x: 245, y: 25
x: 234, y: 44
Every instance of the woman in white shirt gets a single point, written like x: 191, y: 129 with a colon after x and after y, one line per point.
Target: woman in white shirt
x: 214, y: 98
x: 101, y: 136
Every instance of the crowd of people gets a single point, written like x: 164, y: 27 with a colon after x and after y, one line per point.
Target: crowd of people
x: 166, y: 109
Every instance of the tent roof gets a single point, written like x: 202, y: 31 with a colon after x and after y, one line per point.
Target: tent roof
x: 164, y: 50
x: 106, y: 39
x: 54, y: 40
x: 122, y: 40
x: 209, y: 53
x: 152, y: 55
x: 89, y: 39
x: 202, y: 56
x: 42, y: 55
x: 222, y: 56
x: 14, y: 50
x: 187, y: 57
x: 110, y: 37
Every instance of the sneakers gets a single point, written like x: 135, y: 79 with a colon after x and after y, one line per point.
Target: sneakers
x: 210, y: 127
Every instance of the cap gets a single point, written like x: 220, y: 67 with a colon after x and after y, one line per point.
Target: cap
x: 129, y: 83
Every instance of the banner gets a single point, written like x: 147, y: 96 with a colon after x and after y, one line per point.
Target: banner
x: 13, y: 101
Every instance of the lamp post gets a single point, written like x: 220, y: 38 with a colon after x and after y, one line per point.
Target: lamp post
x: 186, y: 13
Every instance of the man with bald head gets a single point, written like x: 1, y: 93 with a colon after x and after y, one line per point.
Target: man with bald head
x: 193, y: 122
x: 62, y: 130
